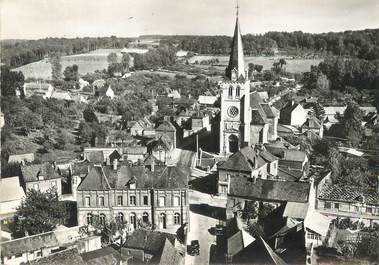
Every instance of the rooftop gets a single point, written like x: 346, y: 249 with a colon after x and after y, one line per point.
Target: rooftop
x: 348, y: 194
x: 151, y: 242
x: 31, y: 173
x: 269, y: 190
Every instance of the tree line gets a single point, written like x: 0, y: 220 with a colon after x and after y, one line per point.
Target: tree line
x: 361, y: 44
x: 20, y: 52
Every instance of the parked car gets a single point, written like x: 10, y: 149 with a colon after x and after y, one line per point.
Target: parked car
x: 194, y: 248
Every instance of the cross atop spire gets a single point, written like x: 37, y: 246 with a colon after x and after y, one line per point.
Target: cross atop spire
x: 237, y: 8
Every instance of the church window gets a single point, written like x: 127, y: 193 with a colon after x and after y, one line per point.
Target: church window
x: 238, y: 92
x: 230, y: 94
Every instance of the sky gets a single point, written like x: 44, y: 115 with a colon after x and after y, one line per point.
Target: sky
x: 34, y: 19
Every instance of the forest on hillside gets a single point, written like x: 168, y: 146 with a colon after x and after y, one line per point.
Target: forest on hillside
x: 363, y: 44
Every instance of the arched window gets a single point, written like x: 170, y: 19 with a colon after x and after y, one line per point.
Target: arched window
x: 177, y: 218
x: 238, y: 92
x: 101, y: 200
x: 89, y: 218
x: 120, y: 217
x: 162, y: 221
x: 133, y: 220
x: 145, y: 217
x: 230, y: 92
x: 102, y: 219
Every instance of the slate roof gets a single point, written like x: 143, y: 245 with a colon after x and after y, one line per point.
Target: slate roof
x: 296, y: 210
x: 152, y: 242
x: 29, y: 157
x: 268, y: 111
x: 31, y: 173
x: 269, y: 190
x: 95, y: 180
x: 257, y: 117
x: 289, y: 174
x: 102, y: 256
x: 172, y: 177
x: 166, y: 126
x: 10, y: 189
x: 287, y: 154
x: 243, y: 160
x: 289, y: 107
x: 105, y: 178
x: 347, y: 193
x: 65, y: 257
x: 170, y: 255
x: 95, y: 156
x: 312, y: 123
x: 28, y: 244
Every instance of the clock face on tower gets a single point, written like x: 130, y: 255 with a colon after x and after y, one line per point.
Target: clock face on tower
x: 232, y: 111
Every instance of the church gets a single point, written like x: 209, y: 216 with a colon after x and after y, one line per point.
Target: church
x: 245, y: 118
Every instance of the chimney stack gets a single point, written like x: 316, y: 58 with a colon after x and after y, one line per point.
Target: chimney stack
x: 115, y: 161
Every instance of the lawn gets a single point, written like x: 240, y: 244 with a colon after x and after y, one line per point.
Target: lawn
x: 293, y: 65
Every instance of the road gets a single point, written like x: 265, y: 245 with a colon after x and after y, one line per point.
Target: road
x: 200, y: 222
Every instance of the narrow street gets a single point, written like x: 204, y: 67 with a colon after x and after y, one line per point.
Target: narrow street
x: 204, y: 212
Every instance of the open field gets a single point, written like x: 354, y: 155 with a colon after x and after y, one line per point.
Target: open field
x: 293, y: 65
x: 87, y: 62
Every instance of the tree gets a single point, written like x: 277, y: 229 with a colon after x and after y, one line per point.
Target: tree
x: 250, y: 211
x: 56, y: 66
x: 258, y: 68
x: 125, y: 61
x: 282, y: 62
x: 351, y: 121
x: 40, y: 212
x: 112, y: 58
x: 89, y: 114
x: 11, y: 81
x: 71, y: 73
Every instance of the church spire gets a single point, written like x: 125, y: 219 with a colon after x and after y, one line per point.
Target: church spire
x: 236, y: 66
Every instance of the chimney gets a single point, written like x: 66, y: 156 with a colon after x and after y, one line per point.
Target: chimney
x: 115, y: 164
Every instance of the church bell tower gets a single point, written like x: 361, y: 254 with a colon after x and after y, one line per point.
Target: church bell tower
x: 235, y: 99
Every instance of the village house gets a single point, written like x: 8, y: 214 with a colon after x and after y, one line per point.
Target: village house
x: 200, y: 121
x: 108, y: 118
x: 171, y: 130
x: 10, y: 196
x: 21, y: 158
x: 342, y: 201
x: 138, y: 127
x: 44, y: 90
x: 291, y: 160
x: 140, y: 197
x: 29, y: 248
x: 253, y: 163
x: 293, y: 114
x: 99, y: 155
x: 314, y: 125
x: 159, y: 148
x: 207, y: 101
x: 105, y: 92
x: 135, y: 153
x: 147, y: 245
x: 40, y: 177
x: 61, y: 95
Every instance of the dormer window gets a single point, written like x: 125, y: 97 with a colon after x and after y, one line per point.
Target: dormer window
x: 40, y: 177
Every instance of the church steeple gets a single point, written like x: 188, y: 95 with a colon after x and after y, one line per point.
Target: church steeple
x: 236, y: 67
